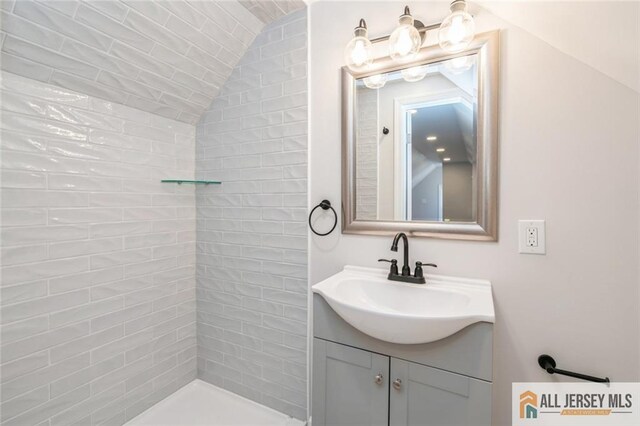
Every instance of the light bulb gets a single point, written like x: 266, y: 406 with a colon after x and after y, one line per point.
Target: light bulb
x: 375, y: 81
x: 358, y: 54
x: 405, y: 40
x: 414, y: 74
x: 458, y: 29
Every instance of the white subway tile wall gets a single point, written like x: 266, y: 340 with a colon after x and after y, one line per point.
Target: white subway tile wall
x: 367, y: 154
x: 98, y: 257
x: 166, y: 57
x: 251, y: 231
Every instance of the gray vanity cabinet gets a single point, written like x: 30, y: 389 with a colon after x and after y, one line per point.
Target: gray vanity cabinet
x: 350, y: 386
x: 425, y: 396
x: 358, y: 380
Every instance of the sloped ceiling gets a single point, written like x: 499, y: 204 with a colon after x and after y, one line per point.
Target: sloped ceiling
x: 602, y: 34
x: 167, y: 57
x: 269, y: 10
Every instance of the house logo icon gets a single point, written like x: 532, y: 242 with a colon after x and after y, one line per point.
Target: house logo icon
x: 528, y: 405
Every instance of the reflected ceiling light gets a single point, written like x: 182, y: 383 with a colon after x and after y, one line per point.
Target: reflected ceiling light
x: 460, y: 64
x: 359, y: 51
x: 455, y: 34
x: 405, y: 40
x: 412, y: 111
x: 375, y: 81
x: 446, y: 159
x: 414, y: 74
x: 432, y: 138
x: 440, y: 150
x: 458, y: 29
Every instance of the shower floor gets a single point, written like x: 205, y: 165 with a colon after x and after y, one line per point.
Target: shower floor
x: 200, y: 403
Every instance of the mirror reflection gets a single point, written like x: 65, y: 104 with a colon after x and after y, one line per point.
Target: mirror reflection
x: 416, y: 143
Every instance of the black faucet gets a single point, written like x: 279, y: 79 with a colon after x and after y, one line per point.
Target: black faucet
x: 406, y: 271
x: 418, y: 276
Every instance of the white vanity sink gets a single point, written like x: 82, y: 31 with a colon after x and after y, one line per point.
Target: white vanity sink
x: 406, y: 313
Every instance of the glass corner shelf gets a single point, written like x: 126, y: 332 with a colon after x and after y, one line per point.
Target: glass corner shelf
x: 195, y: 182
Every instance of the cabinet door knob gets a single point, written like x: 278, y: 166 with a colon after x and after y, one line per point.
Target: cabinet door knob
x: 397, y: 383
x: 379, y: 379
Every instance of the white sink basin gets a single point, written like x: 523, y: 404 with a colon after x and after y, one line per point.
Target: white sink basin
x: 406, y: 313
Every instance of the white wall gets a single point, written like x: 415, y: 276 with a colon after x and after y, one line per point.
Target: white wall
x: 569, y: 154
x: 98, y: 257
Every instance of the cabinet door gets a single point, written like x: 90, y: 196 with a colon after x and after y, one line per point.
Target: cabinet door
x: 350, y: 386
x: 426, y: 396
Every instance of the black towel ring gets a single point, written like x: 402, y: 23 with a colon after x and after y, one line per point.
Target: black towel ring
x: 325, y: 205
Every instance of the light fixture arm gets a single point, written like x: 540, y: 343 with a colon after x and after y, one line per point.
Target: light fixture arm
x: 361, y: 29
x: 422, y: 29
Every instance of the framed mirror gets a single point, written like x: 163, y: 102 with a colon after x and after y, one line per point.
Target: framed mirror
x: 420, y: 144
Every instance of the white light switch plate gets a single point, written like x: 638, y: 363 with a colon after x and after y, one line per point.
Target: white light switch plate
x: 531, y: 237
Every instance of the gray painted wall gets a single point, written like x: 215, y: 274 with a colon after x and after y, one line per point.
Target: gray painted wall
x: 457, y: 188
x: 251, y: 230
x: 425, y: 203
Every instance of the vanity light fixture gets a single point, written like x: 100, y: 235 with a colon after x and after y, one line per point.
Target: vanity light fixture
x: 432, y: 138
x: 375, y: 81
x: 359, y: 51
x: 455, y: 34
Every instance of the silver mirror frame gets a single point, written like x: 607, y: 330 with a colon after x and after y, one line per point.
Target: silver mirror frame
x: 487, y: 47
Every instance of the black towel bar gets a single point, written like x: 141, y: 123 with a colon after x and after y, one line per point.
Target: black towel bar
x: 549, y: 364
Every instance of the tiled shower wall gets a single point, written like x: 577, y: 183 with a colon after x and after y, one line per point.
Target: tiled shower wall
x: 251, y: 238
x: 98, y: 290
x: 367, y: 154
